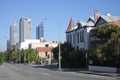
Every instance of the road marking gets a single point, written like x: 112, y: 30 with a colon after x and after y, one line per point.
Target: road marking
x: 46, y: 74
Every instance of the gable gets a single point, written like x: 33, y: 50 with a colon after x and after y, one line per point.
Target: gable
x: 100, y: 22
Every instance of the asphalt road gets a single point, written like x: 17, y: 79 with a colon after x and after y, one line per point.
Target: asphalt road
x: 26, y: 72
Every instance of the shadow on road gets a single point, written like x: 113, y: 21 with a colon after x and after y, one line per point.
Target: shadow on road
x: 77, y: 70
x: 54, y: 67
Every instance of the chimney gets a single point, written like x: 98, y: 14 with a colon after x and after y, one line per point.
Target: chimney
x: 108, y: 14
x: 96, y: 15
x: 78, y: 23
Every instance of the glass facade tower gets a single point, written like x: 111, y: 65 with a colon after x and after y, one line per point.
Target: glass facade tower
x: 40, y: 31
x: 13, y: 34
x: 25, y: 30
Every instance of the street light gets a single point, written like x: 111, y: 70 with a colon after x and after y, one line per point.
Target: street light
x: 59, y: 54
x: 59, y: 57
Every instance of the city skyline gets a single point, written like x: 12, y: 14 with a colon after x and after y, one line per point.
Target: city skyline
x: 13, y: 34
x: 40, y: 31
x: 25, y: 29
x: 57, y: 12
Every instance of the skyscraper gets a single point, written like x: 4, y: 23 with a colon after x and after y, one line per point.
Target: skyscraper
x: 13, y: 34
x: 25, y: 29
x: 40, y: 31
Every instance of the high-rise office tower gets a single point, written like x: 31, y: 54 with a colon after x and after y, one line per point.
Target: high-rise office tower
x: 40, y: 31
x: 25, y: 30
x: 13, y: 34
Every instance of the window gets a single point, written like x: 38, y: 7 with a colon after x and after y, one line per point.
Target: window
x: 46, y: 45
x: 78, y: 37
x: 70, y: 39
x: 73, y: 38
x: 46, y: 53
x: 82, y: 36
x: 48, y: 56
x: 67, y: 38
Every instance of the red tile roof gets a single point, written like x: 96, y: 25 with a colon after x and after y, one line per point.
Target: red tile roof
x: 44, y: 49
x: 116, y: 23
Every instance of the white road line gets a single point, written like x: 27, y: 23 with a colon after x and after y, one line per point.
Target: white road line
x: 45, y: 74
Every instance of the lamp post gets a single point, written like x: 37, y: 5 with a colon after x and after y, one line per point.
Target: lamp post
x: 59, y: 51
x: 59, y: 57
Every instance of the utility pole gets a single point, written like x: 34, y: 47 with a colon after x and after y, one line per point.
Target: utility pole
x: 59, y: 49
x: 59, y: 57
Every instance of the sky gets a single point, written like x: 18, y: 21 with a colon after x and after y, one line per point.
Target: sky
x: 56, y: 12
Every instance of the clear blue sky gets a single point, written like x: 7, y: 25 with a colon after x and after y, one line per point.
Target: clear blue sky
x: 57, y: 12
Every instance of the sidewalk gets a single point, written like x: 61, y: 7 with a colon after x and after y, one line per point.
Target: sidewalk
x: 85, y: 71
x: 101, y: 73
x: 77, y: 70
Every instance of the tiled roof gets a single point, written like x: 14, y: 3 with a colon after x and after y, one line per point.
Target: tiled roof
x: 90, y: 23
x: 92, y: 18
x: 72, y: 27
x: 116, y: 23
x: 83, y: 23
x: 110, y: 18
x: 44, y: 49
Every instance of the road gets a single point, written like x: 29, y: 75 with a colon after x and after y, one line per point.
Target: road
x: 26, y: 72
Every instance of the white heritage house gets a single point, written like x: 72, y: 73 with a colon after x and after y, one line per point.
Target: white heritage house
x: 80, y: 38
x: 79, y: 35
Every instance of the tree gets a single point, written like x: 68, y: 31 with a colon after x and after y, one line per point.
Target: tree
x: 107, y: 53
x: 13, y: 56
x: 70, y: 57
x: 23, y: 56
x: 2, y: 58
x: 66, y: 49
x: 31, y: 55
x: 18, y: 52
x: 77, y: 59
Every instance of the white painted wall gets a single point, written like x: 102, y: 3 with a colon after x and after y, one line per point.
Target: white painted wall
x: 85, y: 45
x: 102, y: 69
x: 25, y: 45
x: 34, y: 43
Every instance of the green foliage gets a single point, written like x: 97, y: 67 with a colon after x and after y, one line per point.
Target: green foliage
x: 24, y: 56
x: 31, y: 55
x: 13, y: 56
x: 70, y: 57
x: 108, y: 53
x: 77, y: 59
x: 2, y: 58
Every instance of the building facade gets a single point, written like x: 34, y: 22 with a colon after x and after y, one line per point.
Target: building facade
x: 79, y: 35
x: 45, y: 54
x: 40, y: 31
x: 34, y: 43
x: 13, y: 34
x: 43, y: 48
x: 25, y: 30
